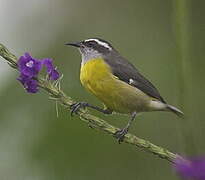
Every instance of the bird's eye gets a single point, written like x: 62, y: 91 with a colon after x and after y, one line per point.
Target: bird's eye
x: 89, y: 43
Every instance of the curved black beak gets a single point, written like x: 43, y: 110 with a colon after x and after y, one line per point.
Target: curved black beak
x: 75, y: 44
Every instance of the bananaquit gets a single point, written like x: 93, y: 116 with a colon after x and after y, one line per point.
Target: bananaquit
x: 117, y: 83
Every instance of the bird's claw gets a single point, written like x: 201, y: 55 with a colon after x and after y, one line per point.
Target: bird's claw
x: 120, y: 134
x: 76, y: 107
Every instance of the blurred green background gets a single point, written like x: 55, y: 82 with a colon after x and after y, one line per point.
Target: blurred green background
x: 164, y: 39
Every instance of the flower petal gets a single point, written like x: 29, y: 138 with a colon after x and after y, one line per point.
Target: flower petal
x: 49, y: 64
x: 29, y: 66
x: 29, y: 84
x: 193, y: 168
x: 54, y: 75
x: 52, y: 72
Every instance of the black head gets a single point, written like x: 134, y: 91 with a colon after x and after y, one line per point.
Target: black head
x: 94, y: 44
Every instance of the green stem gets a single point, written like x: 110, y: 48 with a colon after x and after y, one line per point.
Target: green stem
x: 91, y: 120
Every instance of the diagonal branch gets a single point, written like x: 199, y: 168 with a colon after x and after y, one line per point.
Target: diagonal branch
x: 93, y: 121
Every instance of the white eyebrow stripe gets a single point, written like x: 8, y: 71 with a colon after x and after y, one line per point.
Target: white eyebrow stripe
x: 99, y: 42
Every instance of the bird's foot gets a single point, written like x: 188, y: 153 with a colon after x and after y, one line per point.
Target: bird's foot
x: 76, y: 107
x: 120, y: 134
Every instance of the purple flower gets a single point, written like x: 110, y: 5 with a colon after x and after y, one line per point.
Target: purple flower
x: 29, y: 69
x: 29, y: 66
x: 191, y: 168
x: 52, y: 72
x: 31, y: 85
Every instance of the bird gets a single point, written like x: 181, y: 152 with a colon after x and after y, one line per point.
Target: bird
x: 117, y: 83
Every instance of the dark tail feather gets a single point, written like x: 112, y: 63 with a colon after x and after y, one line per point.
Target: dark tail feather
x: 175, y: 110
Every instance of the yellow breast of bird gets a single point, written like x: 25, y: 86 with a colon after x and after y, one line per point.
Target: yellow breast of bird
x: 96, y: 77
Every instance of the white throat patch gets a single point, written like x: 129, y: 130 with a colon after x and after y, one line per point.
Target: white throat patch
x: 100, y: 42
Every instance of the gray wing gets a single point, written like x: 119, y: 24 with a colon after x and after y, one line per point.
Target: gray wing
x: 126, y: 72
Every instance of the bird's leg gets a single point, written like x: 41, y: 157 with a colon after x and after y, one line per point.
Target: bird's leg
x: 76, y: 106
x: 120, y: 134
